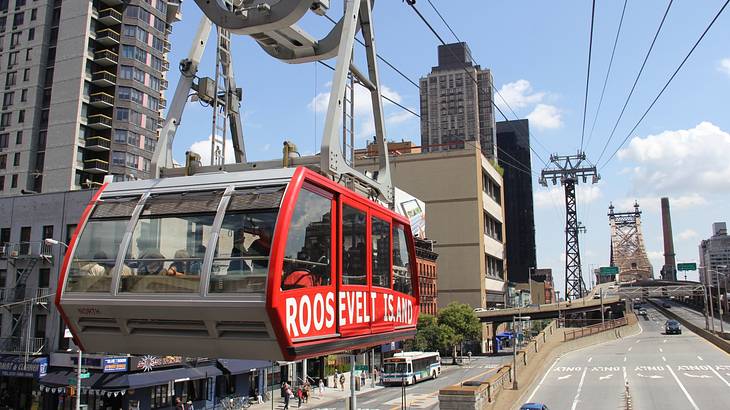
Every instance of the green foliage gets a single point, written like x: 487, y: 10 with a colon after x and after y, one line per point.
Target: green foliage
x: 462, y: 320
x: 455, y: 324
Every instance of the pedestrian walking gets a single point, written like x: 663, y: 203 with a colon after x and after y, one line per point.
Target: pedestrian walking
x: 300, y: 396
x: 287, y: 396
x: 321, y: 387
x: 342, y: 382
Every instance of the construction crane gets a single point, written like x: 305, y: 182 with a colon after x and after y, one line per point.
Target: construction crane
x: 272, y: 24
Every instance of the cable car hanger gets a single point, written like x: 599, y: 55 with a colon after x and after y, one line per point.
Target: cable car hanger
x: 272, y: 23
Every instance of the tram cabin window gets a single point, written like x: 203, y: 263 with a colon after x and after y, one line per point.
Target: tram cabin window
x: 308, y: 246
x: 97, y: 247
x: 401, y: 262
x: 381, y: 252
x: 241, y: 257
x: 354, y: 251
x: 168, y: 243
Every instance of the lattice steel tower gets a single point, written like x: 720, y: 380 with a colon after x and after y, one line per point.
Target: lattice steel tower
x: 570, y: 170
x: 628, y: 252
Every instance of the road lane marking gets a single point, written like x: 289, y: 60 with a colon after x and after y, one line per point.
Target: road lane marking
x: 664, y: 358
x: 664, y: 341
x: 651, y: 376
x: 564, y: 377
x: 681, y: 386
x: 638, y: 340
x: 700, y: 357
x: 630, y: 348
x: 608, y: 376
x: 624, y: 358
x: 721, y: 378
x: 580, y: 387
x: 697, y: 376
x: 661, y: 350
x: 529, y: 399
x: 590, y: 359
x: 624, y: 370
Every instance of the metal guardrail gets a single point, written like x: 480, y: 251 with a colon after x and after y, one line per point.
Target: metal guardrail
x: 593, y: 329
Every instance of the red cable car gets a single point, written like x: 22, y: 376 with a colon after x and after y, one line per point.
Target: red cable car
x: 279, y: 264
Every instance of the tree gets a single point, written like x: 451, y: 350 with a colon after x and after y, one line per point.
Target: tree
x: 460, y: 318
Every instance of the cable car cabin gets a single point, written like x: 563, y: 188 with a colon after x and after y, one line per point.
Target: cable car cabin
x: 273, y: 264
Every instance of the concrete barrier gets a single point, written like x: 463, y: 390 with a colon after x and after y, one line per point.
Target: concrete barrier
x: 496, y: 392
x: 701, y: 332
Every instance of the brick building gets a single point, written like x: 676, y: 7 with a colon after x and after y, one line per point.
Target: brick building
x: 427, y: 276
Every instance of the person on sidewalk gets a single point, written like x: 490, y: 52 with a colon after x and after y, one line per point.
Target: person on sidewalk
x: 321, y: 387
x: 287, y: 396
x: 342, y: 382
x: 300, y: 396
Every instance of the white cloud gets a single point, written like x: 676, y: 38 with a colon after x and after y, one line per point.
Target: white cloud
x: 687, y: 234
x: 202, y: 147
x: 652, y: 203
x: 545, y: 117
x: 364, y: 124
x: 555, y: 196
x: 519, y: 94
x: 725, y: 66
x: 687, y: 164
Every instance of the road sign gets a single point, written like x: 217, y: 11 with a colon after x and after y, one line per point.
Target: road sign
x: 687, y: 266
x: 608, y: 270
x: 361, y: 367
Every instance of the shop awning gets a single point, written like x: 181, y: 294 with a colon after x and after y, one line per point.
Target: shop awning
x: 119, y: 381
x: 235, y: 366
x: 16, y: 366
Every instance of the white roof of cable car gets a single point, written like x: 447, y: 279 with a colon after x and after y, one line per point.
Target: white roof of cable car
x: 264, y: 177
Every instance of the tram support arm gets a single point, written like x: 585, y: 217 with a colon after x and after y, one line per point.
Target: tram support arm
x: 162, y: 157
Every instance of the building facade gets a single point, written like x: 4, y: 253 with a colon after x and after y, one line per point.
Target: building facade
x: 457, y: 103
x: 513, y: 140
x: 715, y: 256
x: 427, y: 276
x: 82, y: 85
x: 463, y: 194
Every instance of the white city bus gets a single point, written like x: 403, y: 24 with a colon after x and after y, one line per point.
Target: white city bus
x: 411, y: 367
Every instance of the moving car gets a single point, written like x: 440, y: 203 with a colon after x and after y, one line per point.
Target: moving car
x: 643, y: 312
x: 534, y: 406
x: 666, y: 305
x: 671, y: 327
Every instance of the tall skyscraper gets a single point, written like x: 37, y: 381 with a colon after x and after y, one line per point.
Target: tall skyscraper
x: 82, y: 85
x: 513, y: 139
x: 453, y: 108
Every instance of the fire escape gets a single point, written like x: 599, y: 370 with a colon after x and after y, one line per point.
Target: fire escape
x: 22, y: 302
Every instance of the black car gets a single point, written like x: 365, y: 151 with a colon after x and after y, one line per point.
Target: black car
x: 666, y: 305
x: 672, y: 328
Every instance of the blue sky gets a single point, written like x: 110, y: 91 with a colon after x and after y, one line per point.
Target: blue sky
x: 537, y: 51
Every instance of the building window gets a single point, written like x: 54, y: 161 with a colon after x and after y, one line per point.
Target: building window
x: 120, y: 136
x: 18, y: 19
x: 3, y: 161
x: 14, y: 181
x: 24, y: 95
x: 33, y: 14
x: 123, y: 114
x: 44, y: 277
x: 31, y: 34
x: 2, y: 182
x: 28, y: 54
x: 118, y: 158
x: 160, y: 397
x: 5, y: 122
x: 26, y: 74
x: 16, y: 159
x: 8, y: 99
x: 21, y: 116
x: 3, y: 277
x: 10, y: 79
x: 4, y: 138
x: 12, y: 59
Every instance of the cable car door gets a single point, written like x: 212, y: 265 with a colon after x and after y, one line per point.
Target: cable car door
x: 380, y: 270
x: 354, y: 302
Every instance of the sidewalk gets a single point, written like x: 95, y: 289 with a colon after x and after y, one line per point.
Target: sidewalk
x: 329, y: 396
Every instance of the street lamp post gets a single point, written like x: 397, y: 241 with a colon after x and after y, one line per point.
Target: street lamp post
x: 53, y: 242
x: 529, y: 279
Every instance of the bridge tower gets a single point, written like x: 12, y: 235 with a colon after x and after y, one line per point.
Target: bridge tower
x: 628, y: 252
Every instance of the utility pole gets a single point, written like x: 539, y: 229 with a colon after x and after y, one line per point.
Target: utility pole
x: 569, y: 170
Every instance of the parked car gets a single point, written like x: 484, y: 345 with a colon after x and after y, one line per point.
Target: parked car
x: 534, y: 406
x: 671, y: 327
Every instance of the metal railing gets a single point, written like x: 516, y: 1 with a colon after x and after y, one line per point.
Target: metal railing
x: 30, y: 249
x: 101, y: 97
x: 98, y: 141
x: 100, y: 119
x: 106, y: 54
x: 104, y: 76
x: 107, y: 33
x: 96, y: 164
x: 593, y: 329
x: 110, y: 12
x: 18, y: 345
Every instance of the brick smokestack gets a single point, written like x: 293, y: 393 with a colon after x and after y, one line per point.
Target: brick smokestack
x: 669, y: 270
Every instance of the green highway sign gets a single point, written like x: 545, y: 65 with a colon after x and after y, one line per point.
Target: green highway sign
x: 361, y: 367
x: 687, y: 266
x: 609, y: 270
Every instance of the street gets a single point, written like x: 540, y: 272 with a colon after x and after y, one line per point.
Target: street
x: 424, y: 395
x: 662, y: 371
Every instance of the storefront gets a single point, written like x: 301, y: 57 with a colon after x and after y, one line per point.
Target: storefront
x: 147, y: 382
x: 19, y: 386
x: 243, y: 377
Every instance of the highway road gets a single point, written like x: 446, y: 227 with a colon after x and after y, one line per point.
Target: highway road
x: 423, y: 395
x: 663, y: 372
